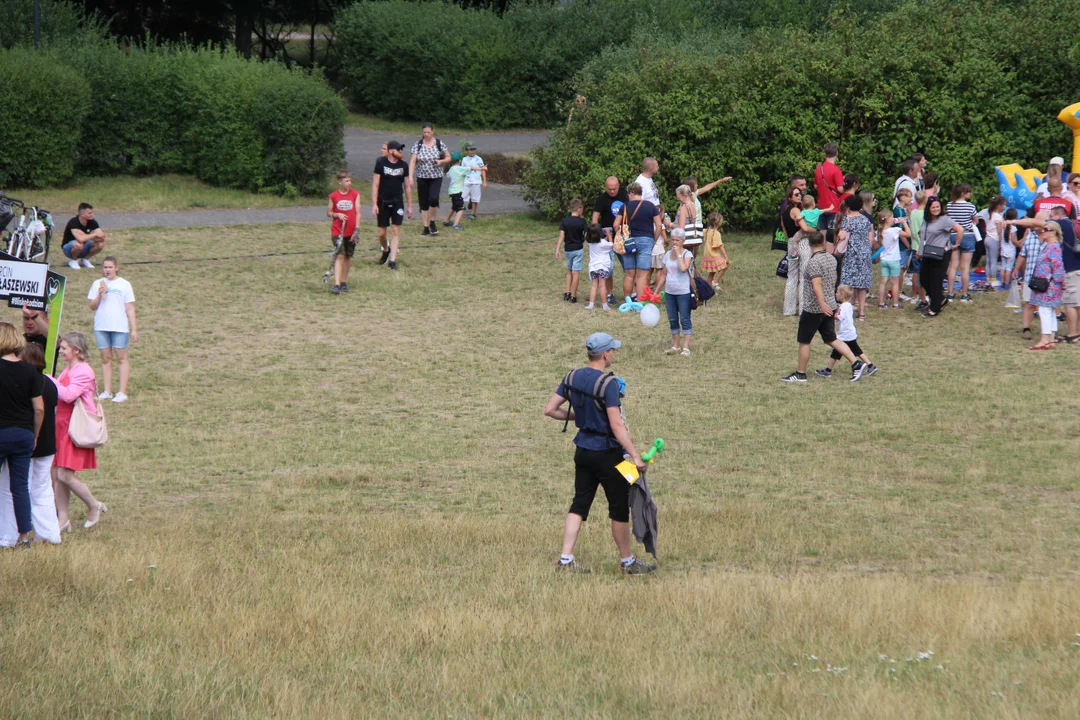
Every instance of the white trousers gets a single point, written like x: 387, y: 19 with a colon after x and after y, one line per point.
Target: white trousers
x: 42, y: 504
x: 1048, y: 320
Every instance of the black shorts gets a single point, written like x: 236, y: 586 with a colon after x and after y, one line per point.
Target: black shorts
x: 344, y: 245
x: 853, y: 345
x: 593, y: 468
x: 428, y: 190
x: 390, y: 213
x: 456, y: 203
x: 811, y: 324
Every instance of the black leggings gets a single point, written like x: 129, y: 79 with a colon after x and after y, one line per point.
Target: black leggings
x: 931, y: 278
x: 428, y: 189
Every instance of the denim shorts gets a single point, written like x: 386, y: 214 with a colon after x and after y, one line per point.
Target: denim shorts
x: 640, y: 258
x: 108, y: 339
x: 70, y: 246
x: 967, y: 243
x: 573, y: 259
x: 890, y: 268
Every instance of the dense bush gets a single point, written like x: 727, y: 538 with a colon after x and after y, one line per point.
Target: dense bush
x: 229, y: 121
x: 439, y: 62
x: 40, y: 107
x: 940, y: 77
x: 61, y: 22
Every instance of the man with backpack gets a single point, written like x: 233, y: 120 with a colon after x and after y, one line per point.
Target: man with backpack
x: 602, y: 440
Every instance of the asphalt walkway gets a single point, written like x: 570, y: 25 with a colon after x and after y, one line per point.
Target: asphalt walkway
x: 361, y: 150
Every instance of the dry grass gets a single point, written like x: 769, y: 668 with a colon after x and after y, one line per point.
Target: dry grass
x: 352, y: 505
x: 161, y: 193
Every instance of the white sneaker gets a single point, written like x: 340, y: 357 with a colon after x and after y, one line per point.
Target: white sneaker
x: 105, y: 396
x: 86, y: 263
x: 120, y: 397
x: 74, y: 264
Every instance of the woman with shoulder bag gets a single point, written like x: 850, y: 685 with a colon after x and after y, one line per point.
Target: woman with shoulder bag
x: 797, y: 230
x: 1048, y: 283
x: 75, y: 384
x: 935, y: 252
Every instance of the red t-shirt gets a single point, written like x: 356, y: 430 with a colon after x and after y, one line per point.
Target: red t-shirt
x: 349, y: 205
x: 1048, y: 203
x: 827, y: 178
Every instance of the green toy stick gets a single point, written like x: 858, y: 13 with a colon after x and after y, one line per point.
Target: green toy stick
x: 657, y: 447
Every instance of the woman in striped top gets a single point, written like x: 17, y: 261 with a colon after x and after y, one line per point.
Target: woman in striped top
x: 962, y: 212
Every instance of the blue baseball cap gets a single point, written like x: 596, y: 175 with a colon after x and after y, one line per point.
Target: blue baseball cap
x: 622, y: 385
x: 601, y: 342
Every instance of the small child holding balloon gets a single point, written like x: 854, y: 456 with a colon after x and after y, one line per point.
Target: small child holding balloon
x: 600, y: 247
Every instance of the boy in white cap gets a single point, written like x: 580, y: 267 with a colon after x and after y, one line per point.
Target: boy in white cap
x: 602, y: 440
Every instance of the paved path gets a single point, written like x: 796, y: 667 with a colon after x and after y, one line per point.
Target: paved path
x: 361, y: 149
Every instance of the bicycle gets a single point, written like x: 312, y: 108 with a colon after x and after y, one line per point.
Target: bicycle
x: 32, y: 236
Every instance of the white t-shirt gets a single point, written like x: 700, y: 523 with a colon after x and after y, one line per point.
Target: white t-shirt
x: 648, y: 190
x: 890, y: 241
x: 1008, y: 250
x: 600, y: 255
x: 847, y: 323
x: 111, y: 315
x: 992, y: 226
x: 677, y: 282
x: 471, y: 162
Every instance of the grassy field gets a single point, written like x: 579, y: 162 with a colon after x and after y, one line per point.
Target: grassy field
x: 351, y: 506
x: 161, y: 193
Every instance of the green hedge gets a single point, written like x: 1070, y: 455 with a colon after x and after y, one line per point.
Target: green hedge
x: 945, y: 78
x: 61, y: 22
x: 229, y: 121
x: 40, y: 107
x: 436, y: 61
x: 439, y: 62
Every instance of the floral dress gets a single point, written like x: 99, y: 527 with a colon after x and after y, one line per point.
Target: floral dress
x: 1049, y: 265
x: 857, y: 270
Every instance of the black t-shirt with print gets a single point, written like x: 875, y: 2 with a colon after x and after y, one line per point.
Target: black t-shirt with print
x: 391, y: 174
x: 609, y: 207
x: 574, y: 228
x: 74, y: 224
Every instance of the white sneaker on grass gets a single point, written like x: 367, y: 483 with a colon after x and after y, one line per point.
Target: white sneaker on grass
x: 120, y: 397
x: 74, y: 264
x: 105, y: 396
x: 86, y: 263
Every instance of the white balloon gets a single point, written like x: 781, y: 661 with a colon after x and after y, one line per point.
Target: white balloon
x: 650, y: 315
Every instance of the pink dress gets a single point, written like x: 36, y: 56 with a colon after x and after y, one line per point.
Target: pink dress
x: 75, y: 382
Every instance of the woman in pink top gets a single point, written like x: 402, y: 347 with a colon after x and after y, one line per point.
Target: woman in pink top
x: 75, y: 383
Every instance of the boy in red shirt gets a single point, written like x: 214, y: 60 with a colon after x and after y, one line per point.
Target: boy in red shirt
x: 344, y: 210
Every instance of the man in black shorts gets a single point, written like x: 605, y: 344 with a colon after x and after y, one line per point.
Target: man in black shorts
x: 601, y: 442
x: 609, y: 204
x: 819, y: 309
x: 390, y: 180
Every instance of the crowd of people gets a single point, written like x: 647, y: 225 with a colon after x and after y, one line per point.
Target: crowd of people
x: 932, y: 240
x: 657, y: 252
x: 392, y: 183
x: 43, y: 448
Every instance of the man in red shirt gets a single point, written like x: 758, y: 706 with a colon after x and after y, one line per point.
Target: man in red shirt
x: 344, y: 210
x: 828, y: 181
x: 1056, y: 199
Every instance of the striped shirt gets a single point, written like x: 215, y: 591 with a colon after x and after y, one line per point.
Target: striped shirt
x: 1031, y: 250
x: 962, y: 213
